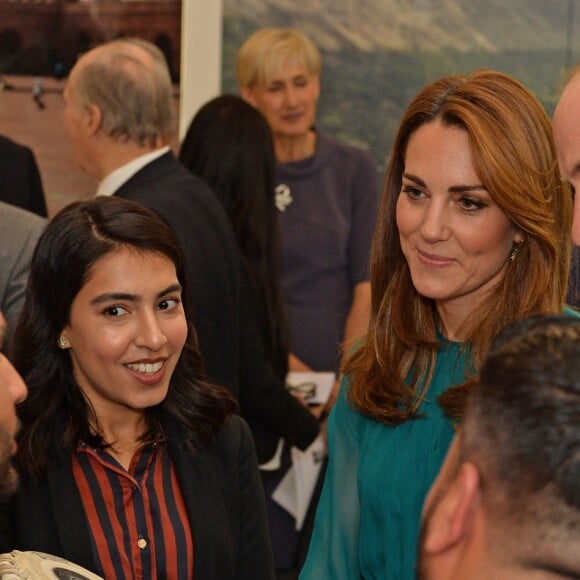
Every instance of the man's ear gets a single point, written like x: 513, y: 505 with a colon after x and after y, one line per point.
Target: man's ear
x: 93, y: 119
x: 452, y: 517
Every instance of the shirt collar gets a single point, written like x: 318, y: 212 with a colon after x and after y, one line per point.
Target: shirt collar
x: 111, y: 183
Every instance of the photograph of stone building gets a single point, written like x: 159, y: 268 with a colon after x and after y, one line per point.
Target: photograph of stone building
x: 44, y: 37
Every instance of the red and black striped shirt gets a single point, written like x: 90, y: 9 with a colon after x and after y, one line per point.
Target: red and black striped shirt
x: 137, y: 519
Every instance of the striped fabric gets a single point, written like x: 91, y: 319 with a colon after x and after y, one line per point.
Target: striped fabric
x: 137, y: 518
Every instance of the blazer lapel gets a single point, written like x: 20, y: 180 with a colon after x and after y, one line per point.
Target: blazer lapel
x: 201, y: 490
x: 152, y: 171
x: 72, y: 528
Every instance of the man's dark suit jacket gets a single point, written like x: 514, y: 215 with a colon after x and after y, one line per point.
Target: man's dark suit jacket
x: 223, y: 310
x: 222, y: 493
x: 20, y: 182
x: 200, y: 223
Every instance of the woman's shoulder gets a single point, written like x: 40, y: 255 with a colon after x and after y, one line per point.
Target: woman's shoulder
x: 230, y: 445
x: 234, y: 426
x: 346, y: 155
x: 233, y: 436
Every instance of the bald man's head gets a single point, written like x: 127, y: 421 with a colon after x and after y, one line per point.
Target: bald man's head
x: 128, y: 80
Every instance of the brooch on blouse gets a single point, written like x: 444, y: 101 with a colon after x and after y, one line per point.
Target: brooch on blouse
x: 283, y: 197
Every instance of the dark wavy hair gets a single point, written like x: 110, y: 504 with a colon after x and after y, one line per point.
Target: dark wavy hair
x: 229, y: 145
x: 56, y: 413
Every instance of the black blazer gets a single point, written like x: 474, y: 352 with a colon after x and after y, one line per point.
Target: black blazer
x: 223, y: 496
x: 200, y: 223
x: 20, y: 182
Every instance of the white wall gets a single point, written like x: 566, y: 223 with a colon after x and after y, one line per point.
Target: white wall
x: 201, y: 56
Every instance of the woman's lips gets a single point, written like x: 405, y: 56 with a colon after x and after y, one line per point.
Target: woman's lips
x: 148, y: 372
x: 434, y: 260
x: 291, y: 117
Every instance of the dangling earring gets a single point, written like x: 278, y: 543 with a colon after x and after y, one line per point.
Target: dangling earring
x: 515, y: 250
x: 62, y: 342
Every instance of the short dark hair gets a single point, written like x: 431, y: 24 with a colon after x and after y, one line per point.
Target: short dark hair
x: 522, y: 430
x: 74, y: 240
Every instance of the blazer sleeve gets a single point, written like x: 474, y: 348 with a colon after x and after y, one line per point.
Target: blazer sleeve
x: 255, y: 559
x: 271, y: 411
x: 37, y: 201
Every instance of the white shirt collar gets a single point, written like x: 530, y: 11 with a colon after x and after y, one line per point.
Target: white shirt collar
x: 111, y: 183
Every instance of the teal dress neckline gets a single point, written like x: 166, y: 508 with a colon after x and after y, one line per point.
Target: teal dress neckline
x: 368, y: 518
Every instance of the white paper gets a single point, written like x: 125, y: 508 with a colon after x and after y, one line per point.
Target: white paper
x: 276, y: 460
x: 323, y: 384
x: 296, y: 488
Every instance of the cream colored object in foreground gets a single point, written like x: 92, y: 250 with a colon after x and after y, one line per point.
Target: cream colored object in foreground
x: 17, y: 565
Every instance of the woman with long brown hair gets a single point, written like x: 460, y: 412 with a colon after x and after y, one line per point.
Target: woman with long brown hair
x: 131, y: 463
x: 472, y: 233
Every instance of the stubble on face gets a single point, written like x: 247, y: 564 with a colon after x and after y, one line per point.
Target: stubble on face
x: 8, y: 474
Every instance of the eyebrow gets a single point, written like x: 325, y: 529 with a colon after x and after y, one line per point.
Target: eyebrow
x: 112, y: 296
x: 452, y: 189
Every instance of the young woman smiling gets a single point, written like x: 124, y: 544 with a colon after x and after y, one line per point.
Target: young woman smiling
x: 131, y: 464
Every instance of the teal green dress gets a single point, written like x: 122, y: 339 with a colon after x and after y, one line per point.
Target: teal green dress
x: 368, y: 518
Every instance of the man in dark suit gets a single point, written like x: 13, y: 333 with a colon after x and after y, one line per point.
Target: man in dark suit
x: 20, y: 182
x: 119, y: 116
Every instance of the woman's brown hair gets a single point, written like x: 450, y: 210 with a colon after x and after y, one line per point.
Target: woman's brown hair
x: 514, y: 156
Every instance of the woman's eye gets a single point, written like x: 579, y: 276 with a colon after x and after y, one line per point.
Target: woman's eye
x: 169, y: 303
x: 471, y: 204
x: 115, y: 311
x: 412, y: 192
